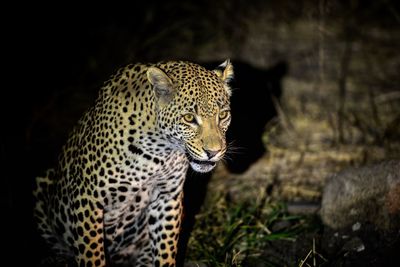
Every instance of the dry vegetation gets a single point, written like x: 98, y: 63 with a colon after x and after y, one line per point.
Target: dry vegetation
x: 341, y: 102
x: 340, y: 108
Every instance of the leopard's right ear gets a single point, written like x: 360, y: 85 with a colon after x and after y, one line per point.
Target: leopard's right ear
x: 163, y: 86
x: 225, y: 73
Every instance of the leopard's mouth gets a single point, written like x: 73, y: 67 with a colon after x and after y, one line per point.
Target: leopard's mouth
x: 203, y: 162
x: 200, y: 165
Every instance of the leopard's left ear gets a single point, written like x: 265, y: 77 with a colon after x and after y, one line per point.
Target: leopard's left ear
x: 225, y: 73
x: 162, y: 85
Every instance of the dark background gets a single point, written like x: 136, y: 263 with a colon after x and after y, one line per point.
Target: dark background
x: 56, y: 58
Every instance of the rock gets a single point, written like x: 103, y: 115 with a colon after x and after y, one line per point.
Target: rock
x: 367, y: 246
x: 302, y: 208
x: 354, y: 244
x: 355, y: 227
x: 366, y: 194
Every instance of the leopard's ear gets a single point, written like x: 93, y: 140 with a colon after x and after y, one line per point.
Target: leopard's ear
x: 163, y: 86
x: 225, y: 73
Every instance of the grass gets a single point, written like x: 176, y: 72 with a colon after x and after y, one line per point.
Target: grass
x: 237, y: 234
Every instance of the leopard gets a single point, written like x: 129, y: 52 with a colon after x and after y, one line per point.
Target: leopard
x: 114, y: 197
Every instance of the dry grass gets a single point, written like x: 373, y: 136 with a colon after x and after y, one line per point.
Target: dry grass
x: 335, y: 112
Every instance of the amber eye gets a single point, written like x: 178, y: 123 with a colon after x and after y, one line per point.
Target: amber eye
x: 223, y: 114
x: 189, y: 118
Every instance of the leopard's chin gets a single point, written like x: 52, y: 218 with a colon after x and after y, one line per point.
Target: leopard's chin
x: 202, y: 166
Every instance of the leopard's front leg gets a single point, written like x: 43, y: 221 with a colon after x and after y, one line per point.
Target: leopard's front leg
x: 164, y: 225
x: 89, y: 247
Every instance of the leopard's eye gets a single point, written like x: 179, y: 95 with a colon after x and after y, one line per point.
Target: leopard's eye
x: 189, y: 118
x: 223, y: 114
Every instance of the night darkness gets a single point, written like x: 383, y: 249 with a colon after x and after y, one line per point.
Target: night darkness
x: 56, y: 58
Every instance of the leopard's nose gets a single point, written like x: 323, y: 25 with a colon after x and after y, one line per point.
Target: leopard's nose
x: 211, y: 153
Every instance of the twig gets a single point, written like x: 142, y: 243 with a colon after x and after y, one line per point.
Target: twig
x: 314, y: 253
x: 285, y: 120
x: 304, y: 261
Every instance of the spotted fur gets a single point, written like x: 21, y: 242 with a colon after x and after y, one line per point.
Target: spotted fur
x: 115, y: 197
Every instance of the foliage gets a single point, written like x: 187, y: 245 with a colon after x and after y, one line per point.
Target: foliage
x: 234, y: 234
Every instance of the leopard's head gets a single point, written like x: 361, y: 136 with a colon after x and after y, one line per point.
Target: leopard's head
x: 192, y: 106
